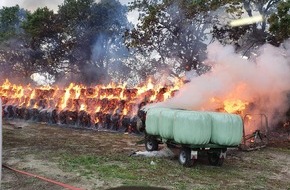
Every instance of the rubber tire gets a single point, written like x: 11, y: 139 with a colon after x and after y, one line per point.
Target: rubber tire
x: 184, y: 157
x: 214, y: 158
x: 151, y: 144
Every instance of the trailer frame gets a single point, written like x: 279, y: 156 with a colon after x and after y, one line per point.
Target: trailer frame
x: 188, y: 153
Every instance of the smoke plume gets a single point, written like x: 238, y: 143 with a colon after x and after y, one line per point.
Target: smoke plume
x: 262, y: 82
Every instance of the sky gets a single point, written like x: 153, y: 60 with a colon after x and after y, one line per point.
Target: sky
x: 53, y: 4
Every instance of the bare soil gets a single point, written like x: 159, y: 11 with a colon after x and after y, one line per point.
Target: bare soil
x: 100, y: 160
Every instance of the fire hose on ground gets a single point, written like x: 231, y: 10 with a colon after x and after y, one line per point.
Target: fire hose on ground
x: 42, y: 178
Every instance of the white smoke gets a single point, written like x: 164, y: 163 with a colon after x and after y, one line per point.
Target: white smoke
x: 263, y: 81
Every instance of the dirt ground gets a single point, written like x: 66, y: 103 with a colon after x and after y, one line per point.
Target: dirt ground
x: 100, y: 160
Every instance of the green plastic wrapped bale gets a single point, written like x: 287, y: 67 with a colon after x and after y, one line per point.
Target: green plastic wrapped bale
x: 166, y: 123
x: 192, y: 127
x: 227, y: 129
x: 152, y: 120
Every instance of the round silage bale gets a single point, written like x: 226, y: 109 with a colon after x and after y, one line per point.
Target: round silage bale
x: 166, y: 120
x: 192, y: 127
x: 152, y: 121
x: 227, y: 129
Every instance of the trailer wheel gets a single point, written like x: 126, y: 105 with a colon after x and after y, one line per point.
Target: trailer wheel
x: 214, y: 158
x: 184, y: 157
x: 151, y: 144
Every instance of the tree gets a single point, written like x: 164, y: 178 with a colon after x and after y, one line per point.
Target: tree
x: 44, y: 31
x: 247, y: 37
x: 280, y: 22
x: 83, y: 40
x: 10, y: 21
x: 14, y: 62
x: 175, y: 32
x: 95, y: 31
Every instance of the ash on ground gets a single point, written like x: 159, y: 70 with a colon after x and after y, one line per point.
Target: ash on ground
x: 164, y: 152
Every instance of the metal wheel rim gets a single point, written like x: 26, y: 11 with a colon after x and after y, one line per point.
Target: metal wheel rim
x: 149, y: 145
x: 182, y: 157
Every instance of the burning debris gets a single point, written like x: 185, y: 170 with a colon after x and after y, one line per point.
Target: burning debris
x: 112, y: 107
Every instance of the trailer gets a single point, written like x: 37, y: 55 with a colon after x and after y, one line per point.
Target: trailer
x: 193, y: 132
x: 188, y: 154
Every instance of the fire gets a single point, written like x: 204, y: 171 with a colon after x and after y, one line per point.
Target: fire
x: 231, y: 105
x: 83, y: 107
x: 234, y: 105
x: 95, y: 104
x: 249, y: 117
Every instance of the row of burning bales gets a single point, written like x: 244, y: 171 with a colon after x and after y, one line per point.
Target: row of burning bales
x: 113, y: 107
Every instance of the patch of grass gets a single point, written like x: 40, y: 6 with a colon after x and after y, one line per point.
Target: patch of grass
x: 133, y: 183
x: 181, y: 186
x: 129, y: 170
x: 139, y: 171
x: 284, y: 150
x: 87, y: 165
x: 104, y: 157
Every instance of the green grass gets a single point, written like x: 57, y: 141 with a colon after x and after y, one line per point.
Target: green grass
x: 139, y: 171
x: 103, y: 157
x: 251, y: 171
x: 104, y: 167
x: 129, y: 170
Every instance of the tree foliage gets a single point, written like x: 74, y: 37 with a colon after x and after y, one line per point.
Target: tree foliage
x: 84, y: 39
x: 280, y: 22
x: 247, y: 37
x: 45, y: 34
x: 10, y: 21
x: 14, y: 60
x: 177, y: 31
x: 95, y: 31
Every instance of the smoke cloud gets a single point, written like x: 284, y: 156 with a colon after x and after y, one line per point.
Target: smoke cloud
x: 263, y: 82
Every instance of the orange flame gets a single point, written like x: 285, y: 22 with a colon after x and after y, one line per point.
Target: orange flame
x: 234, y: 105
x: 109, y: 99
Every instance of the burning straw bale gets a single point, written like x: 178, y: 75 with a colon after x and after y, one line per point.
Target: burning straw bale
x: 111, y: 107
